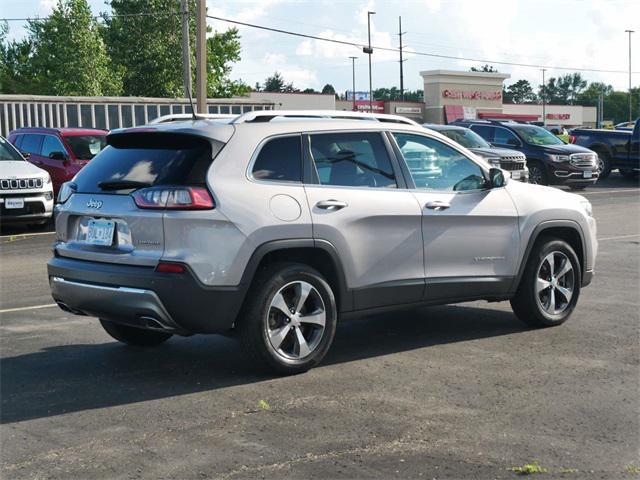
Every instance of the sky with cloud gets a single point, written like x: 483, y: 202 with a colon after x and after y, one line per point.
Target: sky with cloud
x: 565, y: 33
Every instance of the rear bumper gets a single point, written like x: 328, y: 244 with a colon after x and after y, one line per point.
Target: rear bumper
x: 141, y: 297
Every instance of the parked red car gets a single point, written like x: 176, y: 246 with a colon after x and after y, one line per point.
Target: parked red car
x: 60, y: 151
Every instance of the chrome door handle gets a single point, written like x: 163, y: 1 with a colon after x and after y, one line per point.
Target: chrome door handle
x: 437, y: 205
x: 331, y: 204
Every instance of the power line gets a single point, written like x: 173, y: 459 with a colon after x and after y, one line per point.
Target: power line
x: 360, y: 45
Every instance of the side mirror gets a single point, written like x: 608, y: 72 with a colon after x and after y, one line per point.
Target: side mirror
x: 496, y: 178
x: 26, y: 155
x: 58, y: 156
x: 514, y: 142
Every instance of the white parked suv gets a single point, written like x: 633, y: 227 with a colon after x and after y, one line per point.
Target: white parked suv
x: 26, y: 192
x: 273, y: 228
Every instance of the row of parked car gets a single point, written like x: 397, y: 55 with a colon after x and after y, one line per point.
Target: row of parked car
x: 528, y: 152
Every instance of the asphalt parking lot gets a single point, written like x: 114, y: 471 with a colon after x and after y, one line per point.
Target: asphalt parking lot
x: 446, y: 392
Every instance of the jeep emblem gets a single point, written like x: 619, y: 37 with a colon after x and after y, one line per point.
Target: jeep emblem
x: 97, y: 204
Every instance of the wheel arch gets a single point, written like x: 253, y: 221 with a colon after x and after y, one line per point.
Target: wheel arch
x: 318, y: 254
x: 566, y: 230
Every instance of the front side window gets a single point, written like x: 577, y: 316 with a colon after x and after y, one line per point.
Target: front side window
x: 505, y: 137
x: 465, y: 137
x: 280, y: 159
x: 484, y: 131
x: 353, y: 159
x: 51, y: 144
x: 436, y: 166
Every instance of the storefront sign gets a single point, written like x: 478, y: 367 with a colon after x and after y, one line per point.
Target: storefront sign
x: 469, y: 113
x: 417, y: 110
x: 558, y: 116
x: 363, y: 106
x: 359, y: 96
x: 472, y: 95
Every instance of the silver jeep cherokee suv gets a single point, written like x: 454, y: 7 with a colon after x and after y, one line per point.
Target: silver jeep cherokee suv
x: 274, y: 228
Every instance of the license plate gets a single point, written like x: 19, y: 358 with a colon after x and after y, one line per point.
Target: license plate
x: 14, y: 202
x: 515, y: 175
x: 100, y: 232
x: 587, y: 174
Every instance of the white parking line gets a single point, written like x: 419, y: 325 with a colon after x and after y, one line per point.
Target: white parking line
x: 26, y: 235
x: 33, y: 307
x: 619, y: 237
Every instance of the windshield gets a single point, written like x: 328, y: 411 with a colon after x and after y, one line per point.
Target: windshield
x: 85, y: 147
x: 7, y: 152
x: 467, y: 138
x: 536, y: 135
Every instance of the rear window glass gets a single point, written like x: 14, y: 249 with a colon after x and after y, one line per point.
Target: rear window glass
x: 85, y: 147
x: 280, y: 159
x: 149, y: 160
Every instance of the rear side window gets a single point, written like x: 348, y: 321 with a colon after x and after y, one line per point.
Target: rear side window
x: 354, y: 159
x: 31, y: 143
x: 280, y: 159
x: 484, y: 131
x: 149, y: 159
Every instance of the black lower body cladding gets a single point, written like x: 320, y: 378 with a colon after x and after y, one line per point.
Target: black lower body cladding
x: 191, y: 306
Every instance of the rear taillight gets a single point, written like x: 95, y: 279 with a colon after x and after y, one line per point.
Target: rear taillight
x: 173, y: 198
x: 572, y: 139
x: 169, y: 267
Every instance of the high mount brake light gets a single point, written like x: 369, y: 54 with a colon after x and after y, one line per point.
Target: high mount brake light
x: 173, y: 198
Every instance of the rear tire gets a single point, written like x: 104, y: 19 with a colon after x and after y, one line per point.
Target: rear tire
x: 134, y: 336
x: 537, y: 173
x: 604, y: 164
x: 550, y: 286
x: 289, y: 320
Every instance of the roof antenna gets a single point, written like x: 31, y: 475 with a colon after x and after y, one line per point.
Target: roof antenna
x: 193, y: 110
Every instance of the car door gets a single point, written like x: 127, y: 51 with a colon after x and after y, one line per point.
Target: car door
x: 55, y: 160
x: 470, y: 231
x: 360, y: 206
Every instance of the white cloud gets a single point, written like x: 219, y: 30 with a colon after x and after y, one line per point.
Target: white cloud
x: 274, y: 59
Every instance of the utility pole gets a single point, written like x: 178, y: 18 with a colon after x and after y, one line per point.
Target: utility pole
x: 630, y: 32
x: 186, y: 51
x: 353, y: 79
x: 368, y: 50
x: 201, y: 56
x: 544, y: 99
x: 400, y: 33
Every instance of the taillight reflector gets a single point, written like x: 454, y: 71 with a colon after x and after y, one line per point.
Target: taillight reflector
x: 167, y: 267
x: 173, y: 198
x: 572, y: 139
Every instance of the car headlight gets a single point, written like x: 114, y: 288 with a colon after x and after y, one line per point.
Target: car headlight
x: 558, y: 158
x: 47, y: 180
x: 587, y: 207
x: 67, y: 189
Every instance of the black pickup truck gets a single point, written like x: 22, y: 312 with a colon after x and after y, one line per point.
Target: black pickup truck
x: 615, y: 148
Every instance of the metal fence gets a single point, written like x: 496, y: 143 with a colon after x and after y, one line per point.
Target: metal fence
x: 104, y: 112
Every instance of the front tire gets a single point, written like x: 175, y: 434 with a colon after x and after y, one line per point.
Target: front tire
x: 137, y: 337
x: 537, y: 174
x: 289, y: 320
x: 550, y: 286
x: 604, y: 164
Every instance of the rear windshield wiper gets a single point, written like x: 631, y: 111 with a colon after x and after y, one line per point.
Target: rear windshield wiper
x: 122, y: 184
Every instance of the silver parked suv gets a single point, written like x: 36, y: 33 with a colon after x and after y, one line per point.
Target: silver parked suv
x: 274, y: 227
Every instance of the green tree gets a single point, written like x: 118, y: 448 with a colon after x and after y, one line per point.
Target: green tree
x: 519, y: 92
x: 485, y: 68
x: 275, y: 83
x: 569, y: 87
x: 589, y: 96
x: 328, y: 88
x: 223, y: 49
x: 309, y: 90
x: 63, y: 54
x: 549, y: 92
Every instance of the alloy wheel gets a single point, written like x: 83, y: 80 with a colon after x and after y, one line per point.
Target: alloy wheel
x: 295, y: 321
x: 555, y: 283
x: 536, y: 175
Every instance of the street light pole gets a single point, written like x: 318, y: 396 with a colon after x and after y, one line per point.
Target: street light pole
x: 630, y: 110
x: 353, y: 85
x: 368, y: 50
x: 544, y: 99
